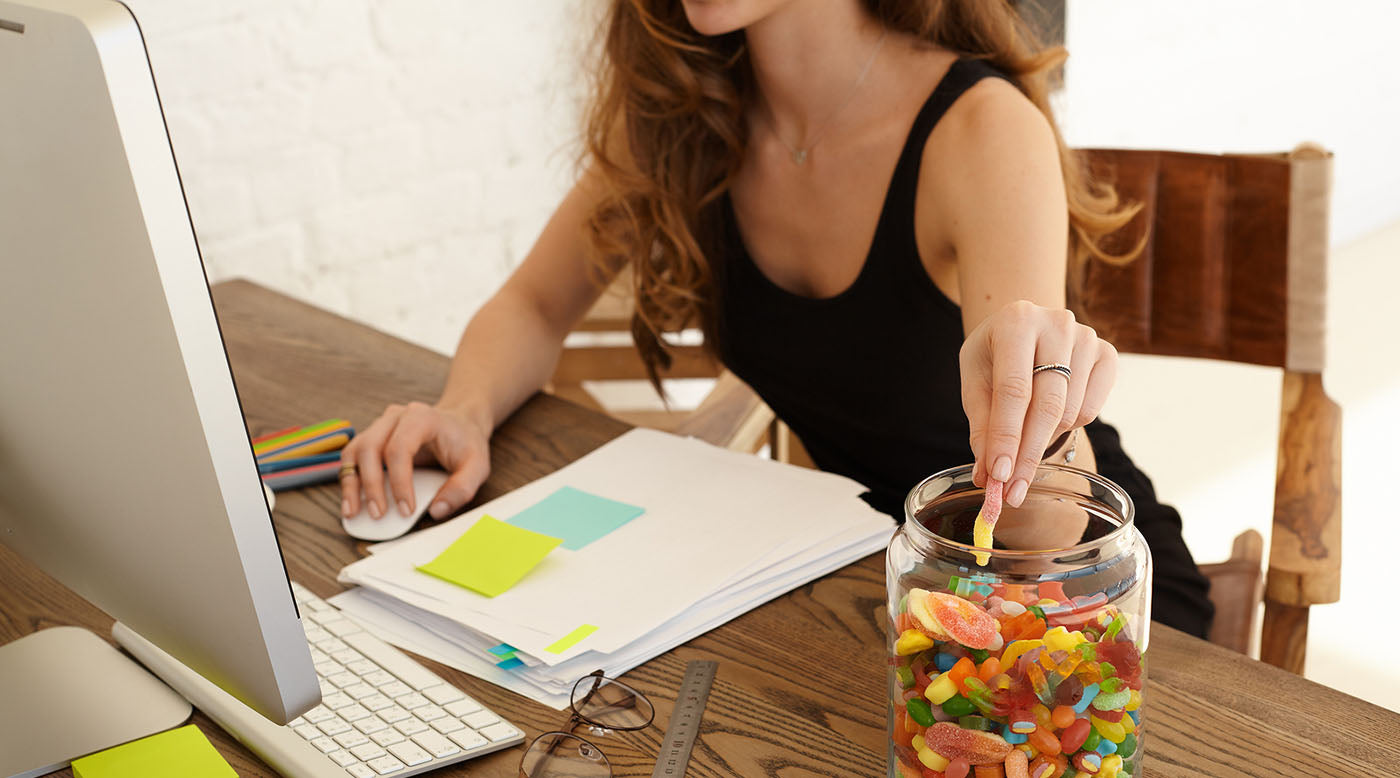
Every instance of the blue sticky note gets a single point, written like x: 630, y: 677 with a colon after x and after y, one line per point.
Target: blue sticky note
x: 502, y: 650
x: 510, y: 664
x: 579, y: 518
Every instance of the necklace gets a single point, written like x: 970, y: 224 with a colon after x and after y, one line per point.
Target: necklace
x: 799, y: 154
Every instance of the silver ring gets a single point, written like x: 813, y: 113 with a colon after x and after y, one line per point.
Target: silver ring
x: 1057, y: 367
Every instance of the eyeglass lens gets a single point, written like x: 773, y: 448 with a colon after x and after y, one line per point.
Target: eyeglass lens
x: 557, y: 755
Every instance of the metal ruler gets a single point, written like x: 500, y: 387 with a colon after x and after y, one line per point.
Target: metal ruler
x: 685, y: 719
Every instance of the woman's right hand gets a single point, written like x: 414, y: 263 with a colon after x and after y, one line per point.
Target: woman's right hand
x: 416, y: 434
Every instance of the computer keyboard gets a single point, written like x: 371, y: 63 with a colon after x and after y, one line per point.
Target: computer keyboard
x: 381, y: 713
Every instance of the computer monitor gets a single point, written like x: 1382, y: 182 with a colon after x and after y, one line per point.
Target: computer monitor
x: 125, y: 466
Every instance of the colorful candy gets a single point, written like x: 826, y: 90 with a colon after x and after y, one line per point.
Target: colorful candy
x: 1017, y: 766
x: 987, y: 519
x: 1073, y: 736
x: 976, y: 747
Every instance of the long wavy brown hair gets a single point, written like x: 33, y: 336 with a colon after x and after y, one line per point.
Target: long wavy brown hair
x: 666, y: 132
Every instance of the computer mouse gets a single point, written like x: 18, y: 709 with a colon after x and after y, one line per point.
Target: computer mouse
x: 426, y: 482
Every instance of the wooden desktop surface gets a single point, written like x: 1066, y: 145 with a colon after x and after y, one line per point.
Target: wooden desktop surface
x: 800, y: 687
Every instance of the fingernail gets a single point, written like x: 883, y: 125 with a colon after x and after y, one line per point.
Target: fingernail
x: 374, y: 511
x: 438, y: 509
x: 403, y: 507
x: 1018, y: 492
x: 1001, y: 469
x: 345, y: 508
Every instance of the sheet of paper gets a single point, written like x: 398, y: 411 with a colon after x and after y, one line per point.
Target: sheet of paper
x: 576, y: 516
x: 491, y: 557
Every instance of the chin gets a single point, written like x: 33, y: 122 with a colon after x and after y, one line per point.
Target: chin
x: 717, y: 17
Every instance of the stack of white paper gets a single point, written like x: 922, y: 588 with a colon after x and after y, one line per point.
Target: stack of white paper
x: 722, y: 532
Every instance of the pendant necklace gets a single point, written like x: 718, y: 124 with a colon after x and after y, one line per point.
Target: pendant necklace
x: 799, y: 154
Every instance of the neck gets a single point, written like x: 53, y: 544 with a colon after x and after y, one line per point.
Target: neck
x: 806, y: 59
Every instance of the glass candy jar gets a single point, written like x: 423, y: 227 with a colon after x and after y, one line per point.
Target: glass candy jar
x: 1034, y: 662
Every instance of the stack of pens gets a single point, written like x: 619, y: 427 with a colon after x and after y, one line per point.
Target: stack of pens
x: 301, y: 456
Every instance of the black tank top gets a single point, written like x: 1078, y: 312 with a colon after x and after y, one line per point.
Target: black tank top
x: 867, y: 379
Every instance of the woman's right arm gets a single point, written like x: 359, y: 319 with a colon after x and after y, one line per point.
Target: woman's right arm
x: 506, y: 354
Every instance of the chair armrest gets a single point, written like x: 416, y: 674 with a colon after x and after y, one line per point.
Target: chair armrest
x: 732, y: 416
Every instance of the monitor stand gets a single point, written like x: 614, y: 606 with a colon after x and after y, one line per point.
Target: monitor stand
x: 66, y: 693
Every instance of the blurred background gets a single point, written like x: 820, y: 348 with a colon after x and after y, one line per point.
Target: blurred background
x: 393, y: 160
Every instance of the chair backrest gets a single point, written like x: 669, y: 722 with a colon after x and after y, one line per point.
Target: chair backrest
x: 1234, y: 267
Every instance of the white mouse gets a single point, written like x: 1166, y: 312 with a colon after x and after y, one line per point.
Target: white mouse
x: 426, y: 482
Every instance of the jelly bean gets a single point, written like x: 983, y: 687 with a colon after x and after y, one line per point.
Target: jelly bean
x: 1088, y: 761
x: 1014, y: 738
x: 1090, y: 692
x: 980, y: 723
x: 1075, y: 735
x: 1044, y: 741
x: 941, y: 689
x: 905, y: 675
x: 1022, y: 722
x: 912, y: 641
x: 961, y: 671
x: 1111, y: 766
x: 1012, y: 608
x: 919, y: 711
x: 989, y: 771
x: 1091, y: 743
x: 1111, y: 700
x: 933, y: 760
x: 957, y: 768
x: 1108, y: 729
x: 958, y: 705
x: 1129, y: 745
x: 1042, y: 716
x: 944, y: 661
x: 1127, y: 722
x: 1134, y: 700
x: 976, y: 747
x: 1132, y: 714
x: 1106, y: 747
x: 989, y: 669
x: 1016, y: 765
x: 1062, y: 716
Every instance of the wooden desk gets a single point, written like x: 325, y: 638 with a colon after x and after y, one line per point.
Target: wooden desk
x: 800, y: 690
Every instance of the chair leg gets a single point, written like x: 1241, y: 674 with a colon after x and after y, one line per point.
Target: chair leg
x: 1285, y: 636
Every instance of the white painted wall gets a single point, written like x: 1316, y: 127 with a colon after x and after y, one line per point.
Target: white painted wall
x: 388, y: 159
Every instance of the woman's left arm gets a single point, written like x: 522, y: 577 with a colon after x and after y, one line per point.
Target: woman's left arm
x: 1003, y: 208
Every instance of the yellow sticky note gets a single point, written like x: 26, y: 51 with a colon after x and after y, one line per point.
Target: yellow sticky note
x: 570, y: 640
x: 491, y: 557
x: 182, y: 752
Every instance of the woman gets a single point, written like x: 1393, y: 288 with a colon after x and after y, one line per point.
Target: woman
x: 866, y: 206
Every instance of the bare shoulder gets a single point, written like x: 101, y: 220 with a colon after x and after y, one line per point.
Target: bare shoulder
x: 991, y: 125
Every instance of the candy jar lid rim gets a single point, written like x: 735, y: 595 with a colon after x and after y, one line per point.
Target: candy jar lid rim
x: 924, y: 533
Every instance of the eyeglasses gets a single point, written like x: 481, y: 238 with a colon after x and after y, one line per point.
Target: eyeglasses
x: 603, y: 705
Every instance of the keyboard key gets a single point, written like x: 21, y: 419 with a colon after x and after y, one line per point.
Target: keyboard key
x: 315, y: 634
x: 363, y: 667
x: 384, y: 679
x: 482, y: 718
x: 410, y: 754
x: 317, y: 655
x: 348, y: 656
x: 467, y: 739
x: 388, y: 737
x: 368, y: 751
x: 334, y: 727
x: 337, y: 701
x: 447, y: 724
x: 361, y: 690
x: 353, y: 713
x: 343, y: 679
x: 394, y: 689
x: 307, y: 731
x: 386, y: 764
x: 498, y: 732
x: 317, y: 604
x: 351, y: 739
x: 331, y: 646
x: 325, y: 745
x: 343, y: 758
x: 317, y: 714
x: 296, y: 722
x: 443, y: 693
x: 326, y: 687
x: 360, y: 771
x: 411, y: 727
x: 436, y: 744
x: 394, y: 715
x: 323, y: 615
x: 413, y: 700
x: 462, y: 707
x: 341, y: 628
x: 370, y: 725
x: 430, y: 712
x: 377, y: 702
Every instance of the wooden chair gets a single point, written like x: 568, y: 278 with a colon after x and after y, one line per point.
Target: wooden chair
x: 1235, y: 268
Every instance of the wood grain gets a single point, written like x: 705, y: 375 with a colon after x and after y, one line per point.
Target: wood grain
x: 800, y: 689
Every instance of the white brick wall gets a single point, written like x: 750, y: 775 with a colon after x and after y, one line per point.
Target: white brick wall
x: 387, y: 159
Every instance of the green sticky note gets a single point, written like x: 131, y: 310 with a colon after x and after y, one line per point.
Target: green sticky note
x: 491, y: 557
x: 183, y: 752
x: 570, y: 640
x: 576, y: 516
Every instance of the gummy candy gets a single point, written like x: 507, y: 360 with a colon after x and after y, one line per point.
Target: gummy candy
x: 987, y: 519
x: 976, y: 747
x: 1074, y: 736
x: 1017, y: 766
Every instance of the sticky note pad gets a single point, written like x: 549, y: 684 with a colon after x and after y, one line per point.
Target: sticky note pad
x: 491, y: 557
x: 183, y: 752
x: 570, y: 640
x: 576, y: 516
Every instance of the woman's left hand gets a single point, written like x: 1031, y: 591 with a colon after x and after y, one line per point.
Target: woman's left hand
x: 1014, y: 414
